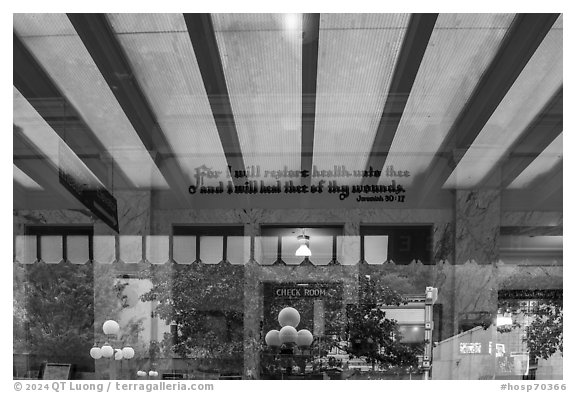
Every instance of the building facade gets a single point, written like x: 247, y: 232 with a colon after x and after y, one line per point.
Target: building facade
x: 168, y: 168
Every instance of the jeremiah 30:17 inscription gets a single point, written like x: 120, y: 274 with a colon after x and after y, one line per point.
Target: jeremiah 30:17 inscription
x: 391, y: 192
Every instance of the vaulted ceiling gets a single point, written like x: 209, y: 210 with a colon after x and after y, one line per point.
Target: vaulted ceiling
x: 139, y: 101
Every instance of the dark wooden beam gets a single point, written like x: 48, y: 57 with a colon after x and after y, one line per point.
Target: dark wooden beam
x: 203, y: 38
x: 521, y: 41
x: 310, y: 39
x: 37, y: 87
x: 414, y: 46
x: 100, y: 40
x: 73, y: 184
x: 544, y: 128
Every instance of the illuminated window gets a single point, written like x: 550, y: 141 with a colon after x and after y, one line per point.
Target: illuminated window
x: 399, y: 244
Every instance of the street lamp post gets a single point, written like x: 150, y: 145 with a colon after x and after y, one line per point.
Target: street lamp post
x: 431, y: 297
x: 111, y: 329
x: 287, y: 338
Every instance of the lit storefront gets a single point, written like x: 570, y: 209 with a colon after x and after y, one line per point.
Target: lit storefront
x: 395, y: 179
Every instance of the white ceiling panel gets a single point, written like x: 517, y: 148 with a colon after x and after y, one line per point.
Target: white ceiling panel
x: 162, y: 57
x: 24, y: 180
x: 45, y: 139
x: 546, y: 161
x: 147, y: 23
x: 262, y: 61
x: 52, y: 39
x: 356, y: 58
x: 460, y: 49
x: 536, y: 84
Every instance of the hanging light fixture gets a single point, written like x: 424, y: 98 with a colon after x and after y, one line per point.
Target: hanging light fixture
x: 303, y: 250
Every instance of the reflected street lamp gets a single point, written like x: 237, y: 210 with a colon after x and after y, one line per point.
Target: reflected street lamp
x: 111, y: 329
x: 288, y: 337
x: 149, y: 374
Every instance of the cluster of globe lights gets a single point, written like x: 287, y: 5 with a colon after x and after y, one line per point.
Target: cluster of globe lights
x: 150, y: 373
x: 289, y: 318
x: 111, y: 328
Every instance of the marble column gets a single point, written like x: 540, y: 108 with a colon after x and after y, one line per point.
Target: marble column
x: 134, y: 217
x: 477, y: 226
x: 476, y: 249
x: 253, y: 304
x: 477, y: 232
x: 253, y: 314
x: 351, y: 243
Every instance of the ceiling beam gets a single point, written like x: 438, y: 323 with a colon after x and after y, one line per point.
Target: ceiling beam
x: 37, y: 87
x: 40, y: 169
x: 544, y: 128
x: 203, y: 38
x: 68, y: 183
x: 310, y: 38
x: 521, y: 41
x: 100, y: 41
x: 413, y: 48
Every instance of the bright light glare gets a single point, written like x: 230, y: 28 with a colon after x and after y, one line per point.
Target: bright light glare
x: 291, y: 21
x: 303, y: 251
x: 502, y: 320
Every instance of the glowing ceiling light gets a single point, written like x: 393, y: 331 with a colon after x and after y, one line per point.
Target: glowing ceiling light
x: 303, y: 250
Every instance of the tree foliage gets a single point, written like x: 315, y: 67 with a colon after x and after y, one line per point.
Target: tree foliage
x: 204, y: 303
x: 544, y: 325
x: 371, y: 334
x: 545, y: 334
x: 59, y: 309
x: 55, y: 307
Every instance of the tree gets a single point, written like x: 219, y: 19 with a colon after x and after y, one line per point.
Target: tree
x: 204, y: 304
x: 545, y: 334
x: 371, y: 334
x: 59, y: 309
x: 544, y: 324
x: 55, y: 307
x: 19, y: 308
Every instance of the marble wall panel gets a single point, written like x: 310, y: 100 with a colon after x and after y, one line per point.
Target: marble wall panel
x: 134, y: 215
x: 532, y: 230
x: 528, y: 277
x: 164, y: 219
x: 443, y: 242
x: 477, y: 226
x: 44, y: 217
x: 476, y: 240
x: 532, y: 218
x: 475, y: 287
x: 134, y: 212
